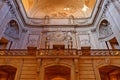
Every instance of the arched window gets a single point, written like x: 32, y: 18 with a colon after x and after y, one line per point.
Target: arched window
x: 57, y: 73
x: 105, y: 29
x: 109, y: 72
x: 105, y: 32
x: 12, y: 30
x: 7, y: 72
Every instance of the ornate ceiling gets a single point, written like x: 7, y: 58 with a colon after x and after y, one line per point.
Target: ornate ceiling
x: 59, y: 8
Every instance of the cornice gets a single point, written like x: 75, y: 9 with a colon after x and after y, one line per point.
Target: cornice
x: 38, y: 23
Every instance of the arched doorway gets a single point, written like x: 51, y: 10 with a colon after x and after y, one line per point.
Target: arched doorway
x: 110, y: 72
x: 7, y: 72
x: 58, y: 78
x: 57, y: 73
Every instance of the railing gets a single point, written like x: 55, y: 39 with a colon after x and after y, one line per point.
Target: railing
x: 14, y: 52
x: 105, y: 52
x: 53, y: 52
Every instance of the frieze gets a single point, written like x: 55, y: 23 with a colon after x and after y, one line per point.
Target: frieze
x: 59, y: 36
x: 33, y: 40
x: 56, y: 36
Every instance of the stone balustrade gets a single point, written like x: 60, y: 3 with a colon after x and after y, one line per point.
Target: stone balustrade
x: 54, y: 52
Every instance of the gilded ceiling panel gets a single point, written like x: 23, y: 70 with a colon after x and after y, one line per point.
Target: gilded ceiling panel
x: 59, y: 8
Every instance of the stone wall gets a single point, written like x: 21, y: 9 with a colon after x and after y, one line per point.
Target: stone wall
x: 81, y: 68
x: 81, y: 36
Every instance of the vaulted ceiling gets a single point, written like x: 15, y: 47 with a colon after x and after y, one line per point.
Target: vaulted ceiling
x: 59, y: 8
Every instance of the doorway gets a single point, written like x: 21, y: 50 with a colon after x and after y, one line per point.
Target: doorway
x: 7, y: 72
x: 57, y: 72
x: 110, y: 72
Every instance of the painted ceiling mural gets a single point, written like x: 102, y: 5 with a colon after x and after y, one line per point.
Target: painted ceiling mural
x: 59, y: 8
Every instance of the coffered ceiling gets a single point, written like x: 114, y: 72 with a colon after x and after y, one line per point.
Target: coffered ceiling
x: 59, y: 8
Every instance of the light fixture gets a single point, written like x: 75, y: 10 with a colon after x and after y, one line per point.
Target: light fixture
x: 85, y: 8
x: 66, y: 9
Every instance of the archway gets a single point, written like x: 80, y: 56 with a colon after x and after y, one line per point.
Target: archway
x: 109, y: 72
x: 57, y: 72
x: 105, y: 29
x: 58, y: 78
x: 12, y: 30
x: 7, y: 72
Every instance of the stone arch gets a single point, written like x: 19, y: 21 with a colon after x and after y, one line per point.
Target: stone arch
x: 57, y: 72
x: 103, y: 63
x: 55, y: 64
x: 70, y: 71
x: 104, y: 30
x: 58, y: 37
x: 12, y: 30
x: 7, y: 72
x: 109, y: 72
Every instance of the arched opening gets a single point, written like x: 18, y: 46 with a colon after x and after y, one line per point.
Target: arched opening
x: 7, y: 72
x: 105, y: 29
x: 110, y: 72
x: 12, y: 30
x: 57, y: 73
x: 58, y: 78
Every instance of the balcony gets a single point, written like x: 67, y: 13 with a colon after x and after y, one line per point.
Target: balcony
x: 54, y: 52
